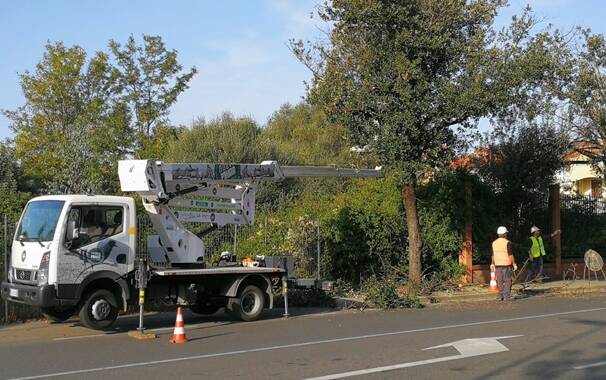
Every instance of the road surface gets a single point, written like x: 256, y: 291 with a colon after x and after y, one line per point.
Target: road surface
x: 535, y: 338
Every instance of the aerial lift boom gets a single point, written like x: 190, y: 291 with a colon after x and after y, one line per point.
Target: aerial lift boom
x: 225, y: 195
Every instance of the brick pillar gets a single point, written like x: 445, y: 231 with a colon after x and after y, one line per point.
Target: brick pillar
x: 554, y: 195
x: 466, y: 255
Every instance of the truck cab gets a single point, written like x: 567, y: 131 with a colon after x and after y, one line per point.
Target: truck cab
x: 66, y: 247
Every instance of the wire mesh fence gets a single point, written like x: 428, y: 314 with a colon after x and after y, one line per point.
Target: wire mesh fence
x: 583, y: 224
x: 266, y: 238
x: 10, y: 311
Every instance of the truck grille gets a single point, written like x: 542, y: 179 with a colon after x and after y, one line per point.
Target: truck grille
x: 23, y: 275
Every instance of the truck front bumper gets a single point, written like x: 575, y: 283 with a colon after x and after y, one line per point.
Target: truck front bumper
x: 41, y: 296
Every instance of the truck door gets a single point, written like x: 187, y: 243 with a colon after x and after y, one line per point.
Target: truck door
x: 99, y: 241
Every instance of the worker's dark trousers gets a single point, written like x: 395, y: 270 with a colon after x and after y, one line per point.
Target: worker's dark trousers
x: 503, y: 274
x: 536, y: 268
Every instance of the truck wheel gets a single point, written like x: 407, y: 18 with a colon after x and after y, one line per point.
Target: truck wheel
x: 99, y: 310
x: 56, y: 314
x: 250, y: 304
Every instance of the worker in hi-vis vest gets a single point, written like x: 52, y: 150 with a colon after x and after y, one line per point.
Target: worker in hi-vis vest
x: 536, y: 252
x: 502, y: 263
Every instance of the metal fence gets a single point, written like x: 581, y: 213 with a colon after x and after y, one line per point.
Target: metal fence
x: 583, y: 220
x: 584, y: 204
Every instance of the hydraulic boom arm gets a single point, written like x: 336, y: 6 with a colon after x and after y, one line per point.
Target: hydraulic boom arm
x: 227, y: 188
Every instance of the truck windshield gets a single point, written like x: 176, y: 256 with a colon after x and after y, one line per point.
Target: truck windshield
x: 39, y: 221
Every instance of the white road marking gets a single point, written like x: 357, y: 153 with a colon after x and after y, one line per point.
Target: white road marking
x: 312, y: 343
x: 467, y: 348
x: 598, y: 364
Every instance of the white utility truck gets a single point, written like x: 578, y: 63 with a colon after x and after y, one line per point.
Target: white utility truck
x: 78, y: 253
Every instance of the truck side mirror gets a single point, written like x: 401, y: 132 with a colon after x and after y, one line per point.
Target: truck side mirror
x: 72, y: 232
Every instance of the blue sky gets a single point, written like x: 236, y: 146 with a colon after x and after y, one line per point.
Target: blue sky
x: 238, y: 46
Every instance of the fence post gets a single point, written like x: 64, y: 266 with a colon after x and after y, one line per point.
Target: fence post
x: 318, y: 249
x: 466, y: 255
x: 5, y: 258
x: 235, y: 238
x: 554, y: 191
x: 265, y: 233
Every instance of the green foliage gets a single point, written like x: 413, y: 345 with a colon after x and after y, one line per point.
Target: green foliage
x: 225, y: 139
x: 301, y: 135
x: 362, y: 230
x: 386, y: 292
x: 585, y: 90
x: 81, y: 115
x: 521, y: 165
x: 158, y: 145
x: 13, y: 198
x: 400, y: 74
x: 149, y: 80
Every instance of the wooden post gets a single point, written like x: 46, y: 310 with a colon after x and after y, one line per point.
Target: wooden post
x: 466, y: 255
x: 554, y: 191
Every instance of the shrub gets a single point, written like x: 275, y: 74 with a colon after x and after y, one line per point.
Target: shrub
x: 388, y: 292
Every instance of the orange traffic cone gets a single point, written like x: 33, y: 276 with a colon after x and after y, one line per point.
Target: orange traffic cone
x: 179, y: 333
x: 493, y: 282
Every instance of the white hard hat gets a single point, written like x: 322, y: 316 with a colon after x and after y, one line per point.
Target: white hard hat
x: 534, y: 229
x: 502, y: 230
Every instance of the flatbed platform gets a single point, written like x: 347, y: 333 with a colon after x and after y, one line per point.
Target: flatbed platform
x: 215, y: 271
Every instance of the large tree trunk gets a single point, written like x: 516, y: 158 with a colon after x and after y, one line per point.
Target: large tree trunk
x: 409, y: 196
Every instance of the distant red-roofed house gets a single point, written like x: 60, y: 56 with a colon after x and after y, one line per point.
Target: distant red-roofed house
x: 471, y: 161
x: 578, y: 176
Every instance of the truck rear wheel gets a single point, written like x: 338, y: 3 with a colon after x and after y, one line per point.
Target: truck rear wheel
x: 99, y: 310
x: 250, y: 304
x: 56, y: 314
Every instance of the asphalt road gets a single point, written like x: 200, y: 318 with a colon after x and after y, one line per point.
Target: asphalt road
x: 555, y: 338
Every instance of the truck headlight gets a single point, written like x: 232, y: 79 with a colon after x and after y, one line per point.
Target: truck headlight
x: 43, y: 269
x: 10, y: 274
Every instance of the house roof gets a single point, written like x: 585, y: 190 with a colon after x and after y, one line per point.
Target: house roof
x: 581, y: 151
x: 480, y: 155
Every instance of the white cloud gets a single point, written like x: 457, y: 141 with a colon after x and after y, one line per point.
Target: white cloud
x: 298, y: 20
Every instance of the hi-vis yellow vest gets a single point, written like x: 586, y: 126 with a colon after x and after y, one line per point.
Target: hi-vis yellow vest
x: 499, y: 250
x: 537, y: 249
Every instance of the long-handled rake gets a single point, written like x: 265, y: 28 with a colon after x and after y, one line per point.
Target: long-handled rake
x: 517, y: 273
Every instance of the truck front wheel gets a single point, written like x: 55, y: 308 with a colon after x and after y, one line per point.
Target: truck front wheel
x: 250, y: 304
x: 99, y: 309
x: 56, y: 314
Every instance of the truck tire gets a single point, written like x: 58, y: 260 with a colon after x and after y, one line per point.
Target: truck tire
x: 56, y: 314
x: 99, y: 309
x: 250, y: 304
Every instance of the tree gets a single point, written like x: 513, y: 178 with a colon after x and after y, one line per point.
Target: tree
x: 584, y: 94
x: 224, y: 139
x: 301, y: 135
x: 82, y: 115
x: 150, y: 80
x: 404, y: 75
x: 71, y: 129
x: 11, y: 182
x: 522, y: 163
